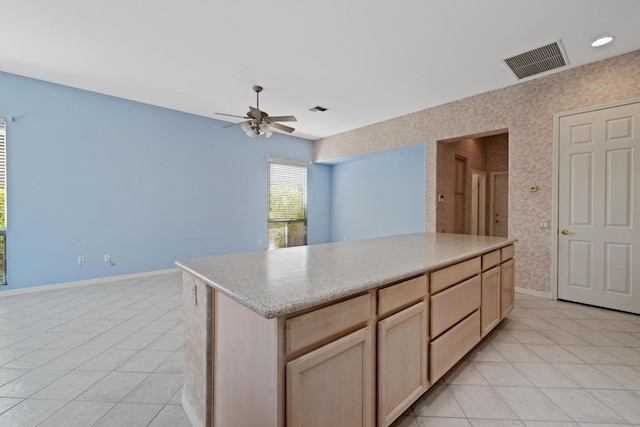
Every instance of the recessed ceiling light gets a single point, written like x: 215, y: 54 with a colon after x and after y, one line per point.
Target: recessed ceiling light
x: 601, y: 41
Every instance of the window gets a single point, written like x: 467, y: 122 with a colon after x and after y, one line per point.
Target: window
x: 3, y: 235
x: 287, y: 204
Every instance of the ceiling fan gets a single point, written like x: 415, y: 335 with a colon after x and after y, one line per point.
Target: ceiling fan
x: 258, y: 122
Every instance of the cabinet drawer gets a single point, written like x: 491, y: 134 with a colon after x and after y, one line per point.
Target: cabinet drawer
x: 449, y: 276
x: 309, y: 328
x: 402, y: 294
x: 507, y: 252
x: 490, y: 260
x: 447, y: 350
x: 454, y: 304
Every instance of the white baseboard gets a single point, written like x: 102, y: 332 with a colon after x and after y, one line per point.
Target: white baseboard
x: 533, y: 293
x: 191, y: 413
x: 20, y: 291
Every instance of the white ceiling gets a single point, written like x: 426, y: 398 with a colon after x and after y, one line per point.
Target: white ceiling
x: 366, y: 61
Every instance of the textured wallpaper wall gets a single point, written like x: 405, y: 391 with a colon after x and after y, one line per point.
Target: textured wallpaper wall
x: 497, y: 153
x: 526, y: 110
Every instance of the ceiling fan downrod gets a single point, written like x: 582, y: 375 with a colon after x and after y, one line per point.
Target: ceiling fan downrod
x: 257, y: 89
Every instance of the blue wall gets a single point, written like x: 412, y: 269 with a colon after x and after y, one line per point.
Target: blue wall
x: 378, y: 194
x: 90, y: 174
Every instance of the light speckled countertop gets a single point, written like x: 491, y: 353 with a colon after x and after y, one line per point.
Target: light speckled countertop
x: 279, y: 282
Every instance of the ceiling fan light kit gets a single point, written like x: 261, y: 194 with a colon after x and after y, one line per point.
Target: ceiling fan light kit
x: 254, y: 129
x: 258, y: 122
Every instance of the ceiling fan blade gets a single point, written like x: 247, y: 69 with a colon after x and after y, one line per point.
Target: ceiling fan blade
x: 235, y: 124
x: 282, y: 127
x: 232, y: 115
x: 257, y: 114
x: 283, y: 119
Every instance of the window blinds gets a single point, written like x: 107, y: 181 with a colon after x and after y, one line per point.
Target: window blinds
x: 287, y: 192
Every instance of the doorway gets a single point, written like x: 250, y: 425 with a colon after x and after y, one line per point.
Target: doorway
x: 464, y: 183
x: 598, y: 244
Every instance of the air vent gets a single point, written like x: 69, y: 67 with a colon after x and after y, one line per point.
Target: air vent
x: 318, y: 108
x: 537, y: 61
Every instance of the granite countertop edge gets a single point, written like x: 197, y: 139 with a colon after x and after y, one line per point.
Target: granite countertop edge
x: 270, y: 311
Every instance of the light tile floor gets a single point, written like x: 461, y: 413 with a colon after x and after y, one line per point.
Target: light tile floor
x: 103, y: 355
x: 111, y: 355
x: 549, y: 363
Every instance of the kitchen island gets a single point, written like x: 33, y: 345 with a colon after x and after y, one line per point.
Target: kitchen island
x: 348, y: 333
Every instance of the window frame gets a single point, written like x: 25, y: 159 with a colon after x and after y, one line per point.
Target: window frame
x: 305, y: 220
x: 3, y: 229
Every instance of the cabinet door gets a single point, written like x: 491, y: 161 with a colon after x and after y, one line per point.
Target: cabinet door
x: 333, y: 385
x: 402, y: 361
x: 490, y: 309
x: 507, y: 279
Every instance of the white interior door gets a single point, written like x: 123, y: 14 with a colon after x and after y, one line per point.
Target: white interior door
x: 500, y: 204
x: 599, y: 208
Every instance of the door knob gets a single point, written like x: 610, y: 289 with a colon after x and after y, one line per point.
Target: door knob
x: 564, y: 232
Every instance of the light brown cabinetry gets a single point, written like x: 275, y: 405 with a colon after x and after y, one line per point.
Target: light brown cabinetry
x: 310, y: 328
x: 497, y: 287
x: 490, y: 312
x: 507, y: 286
x: 454, y: 304
x: 334, y: 381
x: 507, y: 253
x: 468, y: 300
x: 358, y: 361
x: 456, y: 295
x: 450, y: 347
x: 332, y: 385
x: 402, y: 361
x: 442, y: 279
x: 491, y: 259
x: 397, y: 296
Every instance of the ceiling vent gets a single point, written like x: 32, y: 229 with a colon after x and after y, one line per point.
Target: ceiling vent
x: 538, y: 60
x: 318, y: 108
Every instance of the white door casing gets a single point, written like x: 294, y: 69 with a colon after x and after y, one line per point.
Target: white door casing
x: 459, y: 195
x: 478, y: 202
x: 599, y: 207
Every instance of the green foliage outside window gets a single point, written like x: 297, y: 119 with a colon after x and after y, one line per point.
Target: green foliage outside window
x: 285, y: 203
x: 2, y: 214
x: 287, y: 210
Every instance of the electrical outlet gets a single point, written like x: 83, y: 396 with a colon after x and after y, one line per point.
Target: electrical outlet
x: 107, y: 258
x: 81, y: 259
